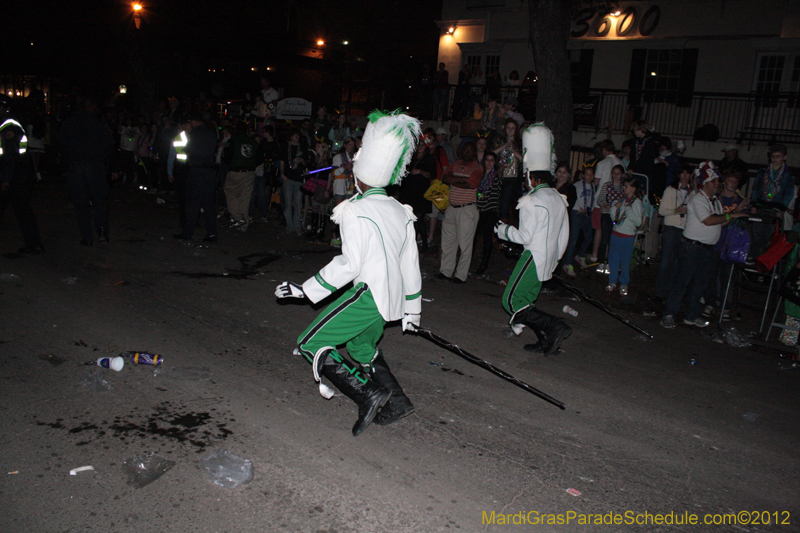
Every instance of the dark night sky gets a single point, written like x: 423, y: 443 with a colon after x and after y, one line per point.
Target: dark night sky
x: 85, y: 40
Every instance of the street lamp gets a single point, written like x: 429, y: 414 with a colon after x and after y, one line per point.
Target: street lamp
x: 137, y: 14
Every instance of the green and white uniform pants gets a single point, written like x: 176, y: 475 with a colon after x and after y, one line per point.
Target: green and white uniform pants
x: 523, y: 286
x: 352, y: 320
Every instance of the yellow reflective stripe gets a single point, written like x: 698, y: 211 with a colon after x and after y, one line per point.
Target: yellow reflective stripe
x: 181, y: 156
x: 182, y: 142
x: 23, y: 141
x: 12, y: 121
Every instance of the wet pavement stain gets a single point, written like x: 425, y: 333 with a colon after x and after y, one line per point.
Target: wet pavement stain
x: 198, y: 429
x: 55, y: 425
x: 86, y: 426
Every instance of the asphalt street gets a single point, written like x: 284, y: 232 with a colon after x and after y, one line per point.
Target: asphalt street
x: 645, y: 432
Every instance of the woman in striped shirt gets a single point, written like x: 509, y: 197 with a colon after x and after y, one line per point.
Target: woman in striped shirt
x: 489, y: 208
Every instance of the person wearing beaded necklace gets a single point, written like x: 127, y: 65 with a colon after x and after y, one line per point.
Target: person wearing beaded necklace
x: 775, y: 183
x: 732, y: 202
x: 627, y: 216
x: 609, y: 194
x: 673, y: 209
x: 704, y: 221
x: 773, y: 188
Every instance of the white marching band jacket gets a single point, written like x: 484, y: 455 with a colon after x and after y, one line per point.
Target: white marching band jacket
x: 543, y: 228
x: 379, y: 248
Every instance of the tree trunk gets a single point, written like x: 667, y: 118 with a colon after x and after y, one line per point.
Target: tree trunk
x: 549, y: 32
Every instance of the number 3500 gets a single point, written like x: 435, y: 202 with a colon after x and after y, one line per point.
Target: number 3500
x: 629, y: 24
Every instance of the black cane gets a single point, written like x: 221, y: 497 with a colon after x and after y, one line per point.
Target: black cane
x: 487, y: 365
x: 580, y: 294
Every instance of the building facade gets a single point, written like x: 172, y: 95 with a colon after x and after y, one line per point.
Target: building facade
x: 708, y: 72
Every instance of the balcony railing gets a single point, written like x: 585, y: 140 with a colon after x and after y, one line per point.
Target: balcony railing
x: 723, y: 117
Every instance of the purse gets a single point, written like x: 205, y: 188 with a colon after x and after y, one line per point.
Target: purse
x: 439, y: 194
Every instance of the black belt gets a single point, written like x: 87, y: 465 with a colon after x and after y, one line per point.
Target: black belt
x: 698, y: 243
x: 462, y: 205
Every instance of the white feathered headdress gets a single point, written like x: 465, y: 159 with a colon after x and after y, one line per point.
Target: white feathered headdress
x: 387, y: 146
x: 538, y: 149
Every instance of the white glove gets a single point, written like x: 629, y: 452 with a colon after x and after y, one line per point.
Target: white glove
x: 411, y: 322
x: 289, y: 289
x: 500, y: 229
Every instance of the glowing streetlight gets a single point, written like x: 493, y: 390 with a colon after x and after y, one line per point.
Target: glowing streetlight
x: 123, y: 89
x: 137, y: 16
x: 320, y: 42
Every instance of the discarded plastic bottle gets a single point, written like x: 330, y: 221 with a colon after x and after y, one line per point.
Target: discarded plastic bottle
x: 144, y: 358
x: 570, y: 311
x: 114, y: 363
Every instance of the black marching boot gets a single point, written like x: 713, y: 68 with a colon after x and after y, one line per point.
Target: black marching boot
x: 368, y: 395
x: 398, y: 406
x: 551, y: 331
x: 537, y: 347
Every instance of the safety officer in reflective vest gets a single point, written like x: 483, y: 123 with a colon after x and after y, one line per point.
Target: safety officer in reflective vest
x: 177, y: 167
x: 17, y: 178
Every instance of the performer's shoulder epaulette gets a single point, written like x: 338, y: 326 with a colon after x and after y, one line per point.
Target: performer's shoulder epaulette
x: 525, y: 200
x: 410, y: 212
x: 343, y: 208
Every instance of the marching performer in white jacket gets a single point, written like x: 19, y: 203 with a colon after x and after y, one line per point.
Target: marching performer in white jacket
x: 544, y: 234
x: 379, y: 256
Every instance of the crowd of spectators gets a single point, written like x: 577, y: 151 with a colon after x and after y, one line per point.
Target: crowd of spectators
x: 624, y: 204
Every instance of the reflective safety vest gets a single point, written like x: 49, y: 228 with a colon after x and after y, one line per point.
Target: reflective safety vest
x: 180, y: 143
x: 23, y: 143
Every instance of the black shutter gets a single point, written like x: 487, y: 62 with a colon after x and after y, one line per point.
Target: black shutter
x: 636, y: 79
x: 688, y: 71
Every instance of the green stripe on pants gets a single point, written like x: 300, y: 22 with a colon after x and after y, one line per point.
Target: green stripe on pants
x: 353, y: 320
x: 523, y: 286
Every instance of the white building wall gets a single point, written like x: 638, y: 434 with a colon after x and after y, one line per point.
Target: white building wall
x: 729, y: 36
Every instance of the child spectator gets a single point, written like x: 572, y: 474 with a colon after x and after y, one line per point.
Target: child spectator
x: 627, y: 216
x: 580, y: 230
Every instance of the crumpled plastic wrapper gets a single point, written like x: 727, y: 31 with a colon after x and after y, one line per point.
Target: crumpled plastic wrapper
x: 93, y: 380
x: 227, y: 470
x: 731, y: 336
x: 145, y: 469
